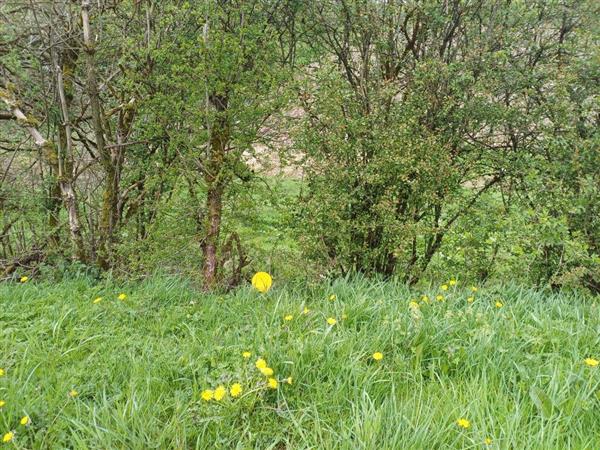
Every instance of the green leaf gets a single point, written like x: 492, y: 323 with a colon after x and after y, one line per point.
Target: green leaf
x: 542, y: 401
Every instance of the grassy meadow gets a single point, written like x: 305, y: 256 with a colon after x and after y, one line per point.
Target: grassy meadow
x: 511, y: 368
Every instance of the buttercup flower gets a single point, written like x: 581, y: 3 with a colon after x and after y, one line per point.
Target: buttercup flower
x: 246, y: 355
x: 260, y: 363
x: 24, y: 420
x: 122, y: 296
x: 452, y: 282
x: 73, y: 393
x: 439, y: 298
x: 332, y: 297
x: 235, y: 390
x: 377, y: 356
x: 207, y: 395
x: 591, y: 362
x: 288, y: 317
x: 289, y: 380
x: 272, y: 382
x: 488, y: 441
x: 97, y: 300
x: 474, y: 288
x: 413, y: 305
x: 305, y: 311
x: 499, y: 304
x: 220, y: 393
x: 2, y: 372
x: 266, y: 371
x: 471, y: 299
x: 463, y: 423
x: 2, y: 403
x: 444, y: 287
x: 331, y: 321
x: 262, y: 282
x: 425, y: 299
x: 8, y: 437
x: 23, y: 279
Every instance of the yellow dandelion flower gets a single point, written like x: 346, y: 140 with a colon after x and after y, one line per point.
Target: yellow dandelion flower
x: 487, y: 441
x: 474, y: 288
x: 444, y: 287
x: 332, y: 297
x: 8, y: 437
x: 591, y: 362
x: 377, y: 356
x: 97, y: 300
x: 73, y: 393
x: 499, y: 304
x: 2, y: 403
x: 439, y: 298
x: 235, y: 390
x: 122, y: 296
x: 413, y: 305
x: 24, y: 420
x: 246, y: 355
x: 289, y: 380
x: 220, y: 393
x: 262, y: 282
x: 288, y: 317
x: 23, y: 279
x: 207, y: 395
x: 272, y: 383
x: 260, y: 363
x: 471, y: 299
x: 463, y: 423
x: 331, y: 321
x: 305, y: 311
x: 266, y: 371
x: 452, y: 282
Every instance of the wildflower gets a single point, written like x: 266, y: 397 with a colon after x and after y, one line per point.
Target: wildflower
x: 439, y: 298
x: 288, y: 317
x: 97, y: 300
x: 591, y: 362
x: 220, y: 393
x: 262, y: 282
x: 8, y: 437
x: 471, y: 299
x: 499, y: 304
x: 2, y: 403
x: 331, y: 321
x: 487, y: 441
x: 413, y: 305
x: 260, y: 363
x: 273, y: 383
x: 444, y: 287
x: 474, y: 288
x: 24, y: 420
x: 452, y: 282
x: 266, y: 371
x: 377, y: 356
x: 122, y: 296
x: 463, y: 423
x: 344, y: 316
x: 207, y: 395
x: 23, y: 279
x: 73, y: 393
x: 305, y: 311
x: 425, y: 299
x: 246, y: 355
x: 235, y: 390
x: 332, y: 297
x: 2, y: 372
x: 289, y: 380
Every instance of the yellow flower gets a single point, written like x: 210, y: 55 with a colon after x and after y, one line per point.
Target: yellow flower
x: 499, y: 304
x: 24, y: 420
x: 235, y: 390
x: 272, y: 382
x: 220, y: 393
x: 8, y: 437
x: 474, y: 288
x: 288, y: 380
x: 2, y: 372
x: 261, y: 363
x: 23, y: 279
x: 377, y: 356
x: 463, y: 423
x: 413, y: 304
x: 471, y: 299
x: 488, y: 441
x: 425, y: 299
x: 452, y: 282
x: 305, y: 311
x: 262, y: 281
x: 73, y: 393
x: 332, y: 297
x: 122, y: 296
x: 591, y: 362
x: 344, y: 316
x: 246, y: 355
x: 288, y: 317
x: 444, y: 287
x: 439, y: 298
x: 207, y: 395
x: 2, y: 403
x: 97, y: 300
x: 266, y: 371
x: 331, y: 321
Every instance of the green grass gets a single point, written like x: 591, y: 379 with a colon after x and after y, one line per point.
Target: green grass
x: 139, y: 365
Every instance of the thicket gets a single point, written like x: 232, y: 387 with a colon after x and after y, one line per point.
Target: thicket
x: 215, y: 138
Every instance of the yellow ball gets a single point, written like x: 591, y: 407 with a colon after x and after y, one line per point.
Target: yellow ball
x: 262, y: 281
